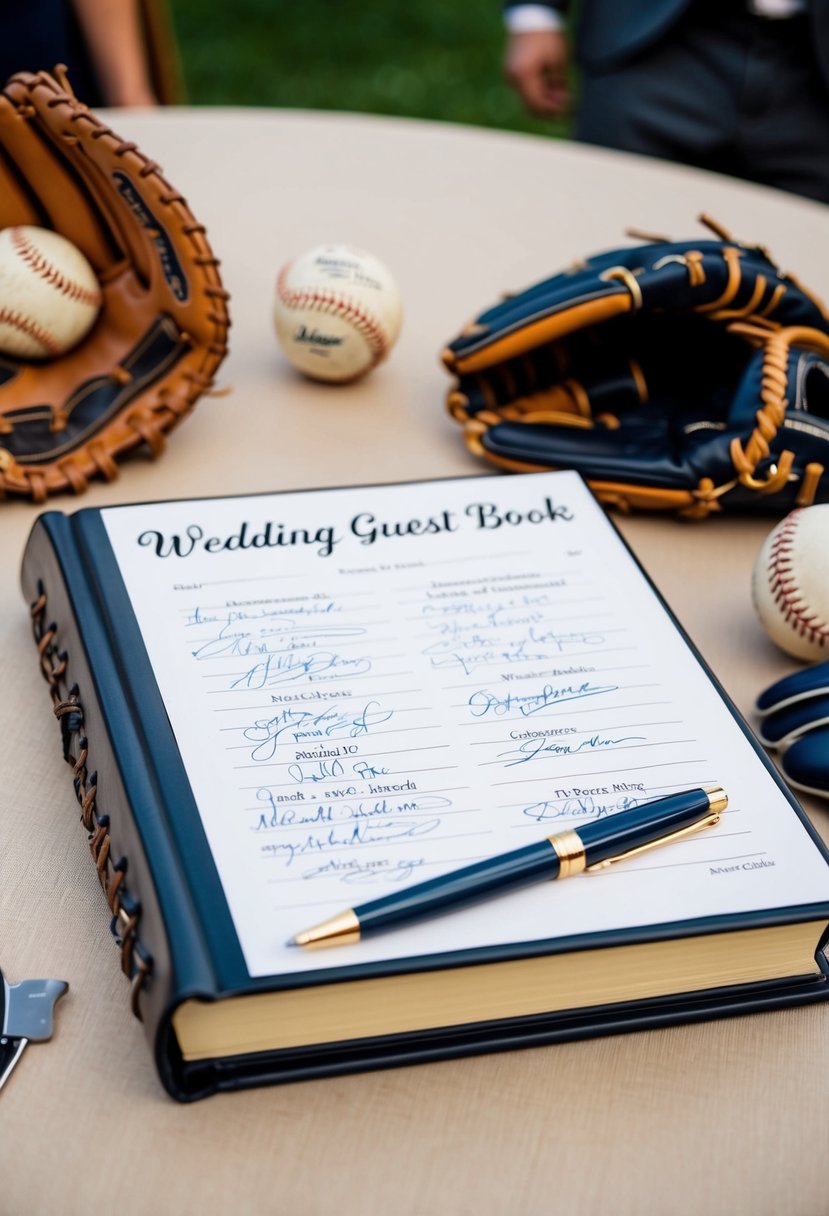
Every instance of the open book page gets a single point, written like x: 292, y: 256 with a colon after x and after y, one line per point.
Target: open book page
x: 371, y: 687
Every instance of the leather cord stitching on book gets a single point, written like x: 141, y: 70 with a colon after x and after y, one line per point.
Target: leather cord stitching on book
x: 136, y: 963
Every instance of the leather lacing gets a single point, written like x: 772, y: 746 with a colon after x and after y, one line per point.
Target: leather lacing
x: 769, y: 418
x: 150, y: 422
x: 136, y: 962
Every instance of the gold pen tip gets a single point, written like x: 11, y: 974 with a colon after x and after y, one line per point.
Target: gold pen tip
x: 340, y: 930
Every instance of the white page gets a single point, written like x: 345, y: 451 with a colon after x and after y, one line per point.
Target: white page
x: 371, y: 687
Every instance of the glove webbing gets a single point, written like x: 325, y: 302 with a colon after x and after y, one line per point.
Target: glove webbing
x: 773, y: 412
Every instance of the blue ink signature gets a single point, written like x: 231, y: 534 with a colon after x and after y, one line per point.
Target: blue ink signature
x: 225, y: 619
x: 361, y: 834
x: 243, y: 642
x: 536, y: 747
x: 302, y: 724
x: 356, y: 872
x: 578, y: 808
x: 485, y: 702
x: 291, y: 666
x: 290, y: 814
x: 326, y: 770
x: 367, y: 771
x: 323, y: 770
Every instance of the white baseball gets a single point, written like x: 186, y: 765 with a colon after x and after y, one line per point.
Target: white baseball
x: 337, y: 313
x: 49, y: 295
x: 790, y: 583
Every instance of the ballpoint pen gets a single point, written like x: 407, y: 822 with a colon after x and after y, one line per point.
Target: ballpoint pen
x: 593, y: 847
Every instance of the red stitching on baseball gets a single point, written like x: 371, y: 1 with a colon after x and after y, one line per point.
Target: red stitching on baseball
x: 31, y: 329
x: 328, y: 303
x: 40, y: 264
x: 783, y: 585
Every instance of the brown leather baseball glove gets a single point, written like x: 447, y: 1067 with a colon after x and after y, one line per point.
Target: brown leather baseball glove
x: 162, y: 329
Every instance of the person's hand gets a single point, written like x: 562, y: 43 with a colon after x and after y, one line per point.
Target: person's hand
x: 536, y: 66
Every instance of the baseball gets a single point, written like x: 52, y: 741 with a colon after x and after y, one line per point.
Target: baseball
x: 49, y: 295
x: 338, y: 312
x: 790, y: 583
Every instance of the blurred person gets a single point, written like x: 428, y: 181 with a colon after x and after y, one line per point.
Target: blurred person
x: 101, y: 42
x: 737, y: 86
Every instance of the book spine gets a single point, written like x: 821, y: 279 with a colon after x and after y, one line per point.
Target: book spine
x: 68, y: 707
x: 135, y: 799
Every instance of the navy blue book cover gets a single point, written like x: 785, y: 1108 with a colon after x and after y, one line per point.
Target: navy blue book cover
x: 295, y: 702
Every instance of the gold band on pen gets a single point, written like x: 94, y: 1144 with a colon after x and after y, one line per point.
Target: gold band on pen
x: 570, y: 850
x: 717, y: 798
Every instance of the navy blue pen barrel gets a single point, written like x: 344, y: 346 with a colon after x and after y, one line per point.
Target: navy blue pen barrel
x: 469, y: 885
x: 615, y: 834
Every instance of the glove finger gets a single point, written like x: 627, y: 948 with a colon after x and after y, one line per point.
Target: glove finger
x: 594, y: 292
x: 783, y: 726
x: 719, y: 280
x: 806, y: 763
x: 534, y: 377
x: 580, y: 376
x: 613, y: 371
x: 680, y: 441
x: 809, y: 682
x: 642, y: 460
x: 636, y: 453
x: 482, y: 350
x: 16, y: 204
x: 535, y: 308
x: 54, y: 197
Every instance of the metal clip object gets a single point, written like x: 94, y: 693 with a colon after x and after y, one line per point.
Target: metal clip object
x: 25, y: 1017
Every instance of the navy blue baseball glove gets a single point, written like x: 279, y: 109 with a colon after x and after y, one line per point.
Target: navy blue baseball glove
x: 691, y: 376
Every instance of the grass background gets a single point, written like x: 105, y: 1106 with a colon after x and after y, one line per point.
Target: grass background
x: 436, y: 59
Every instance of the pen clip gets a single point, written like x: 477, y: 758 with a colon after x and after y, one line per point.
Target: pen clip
x: 708, y: 822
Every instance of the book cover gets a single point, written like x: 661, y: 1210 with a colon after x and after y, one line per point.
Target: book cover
x: 279, y: 705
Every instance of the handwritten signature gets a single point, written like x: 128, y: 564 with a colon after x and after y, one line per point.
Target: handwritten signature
x: 484, y: 702
x: 284, y: 814
x: 362, y: 834
x: 296, y: 666
x: 381, y: 869
x: 243, y: 642
x: 230, y: 617
x: 532, y: 748
x: 578, y: 808
x: 300, y: 724
x: 331, y: 770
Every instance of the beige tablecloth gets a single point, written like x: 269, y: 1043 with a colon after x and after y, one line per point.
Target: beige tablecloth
x: 726, y: 1117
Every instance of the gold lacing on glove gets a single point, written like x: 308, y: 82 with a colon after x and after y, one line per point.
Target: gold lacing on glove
x: 769, y: 418
x: 773, y: 411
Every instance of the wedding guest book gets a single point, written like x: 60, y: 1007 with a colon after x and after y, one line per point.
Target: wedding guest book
x: 281, y: 705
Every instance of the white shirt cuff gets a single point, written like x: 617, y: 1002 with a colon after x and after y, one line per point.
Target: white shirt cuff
x: 532, y: 18
x: 779, y: 9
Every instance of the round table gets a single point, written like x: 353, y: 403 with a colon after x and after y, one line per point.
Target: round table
x: 723, y: 1117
